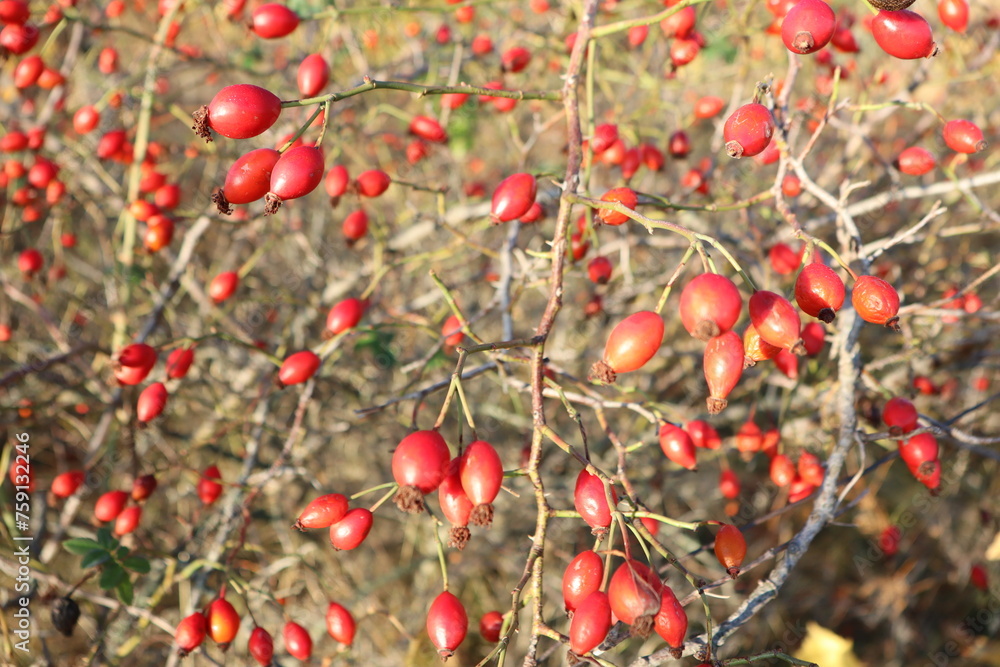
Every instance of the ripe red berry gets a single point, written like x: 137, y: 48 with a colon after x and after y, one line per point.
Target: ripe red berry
x: 372, y: 183
x: 128, y: 520
x: 633, y: 342
x: 605, y: 135
x: 515, y: 59
x: 635, y: 595
x: 808, y: 26
x: 340, y: 624
x: 297, y: 641
x: 918, y: 449
x: 134, y: 363
x: 298, y: 367
x: 428, y: 129
x: 819, y: 291
x: 899, y: 415
x: 748, y: 130
x: 355, y: 226
x: 723, y: 366
x: 179, y: 361
x: 223, y: 622
x: 749, y: 438
x: 677, y: 446
x: 241, y: 111
x: 351, y: 531
x: 143, y: 487
x: 86, y: 119
x: 791, y: 186
x: 582, y: 576
x: 679, y: 24
x: 782, y: 470
x: 626, y: 197
x: 599, y: 270
x: 66, y: 484
x: 671, y: 622
x: 915, y: 161
x: 296, y: 173
x: 313, y: 75
x: 452, y: 331
x: 190, y: 633
x: 447, y: 624
x: 679, y: 145
x: 322, y: 512
x: 756, y: 348
x: 784, y: 260
x: 223, y: 286
x: 954, y: 14
x: 481, y: 473
x: 345, y: 315
x: 729, y: 484
x: 30, y: 262
x: 19, y: 38
x: 709, y: 106
x: 248, y: 179
x: 455, y: 506
x: 810, y: 469
x: 513, y: 197
x: 419, y: 464
x: 730, y: 549
x: 703, y: 434
x: 151, y: 402
x: 490, y: 626
x: 590, y: 624
x: 591, y: 502
x: 710, y: 305
x: 776, y: 320
x: 110, y: 505
x: 273, y: 20
x: 963, y: 136
x: 903, y: 34
x: 876, y: 301
x: 261, y: 646
x: 14, y: 12
x: 337, y: 180
x: 209, y: 490
x: 978, y: 577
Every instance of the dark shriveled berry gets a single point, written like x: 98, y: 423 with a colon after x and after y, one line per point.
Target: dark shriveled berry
x: 65, y: 614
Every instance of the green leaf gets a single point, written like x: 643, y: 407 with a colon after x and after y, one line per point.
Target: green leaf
x: 112, y: 576
x: 122, y: 553
x: 81, y: 546
x: 94, y: 558
x: 124, y: 589
x: 105, y: 538
x: 137, y: 564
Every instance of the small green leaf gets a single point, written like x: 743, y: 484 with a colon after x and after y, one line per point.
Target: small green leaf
x: 94, y: 558
x: 122, y: 553
x: 112, y: 576
x: 137, y: 564
x: 81, y: 546
x: 105, y: 538
x: 124, y: 589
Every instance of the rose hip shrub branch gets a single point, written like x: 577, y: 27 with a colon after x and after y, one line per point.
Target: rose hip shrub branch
x: 296, y: 380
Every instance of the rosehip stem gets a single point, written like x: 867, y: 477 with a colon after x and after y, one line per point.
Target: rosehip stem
x: 835, y: 255
x: 664, y: 519
x: 301, y: 130
x: 619, y: 26
x: 371, y: 84
x: 670, y: 283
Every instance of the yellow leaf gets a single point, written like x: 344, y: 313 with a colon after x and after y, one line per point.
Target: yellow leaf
x: 827, y: 648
